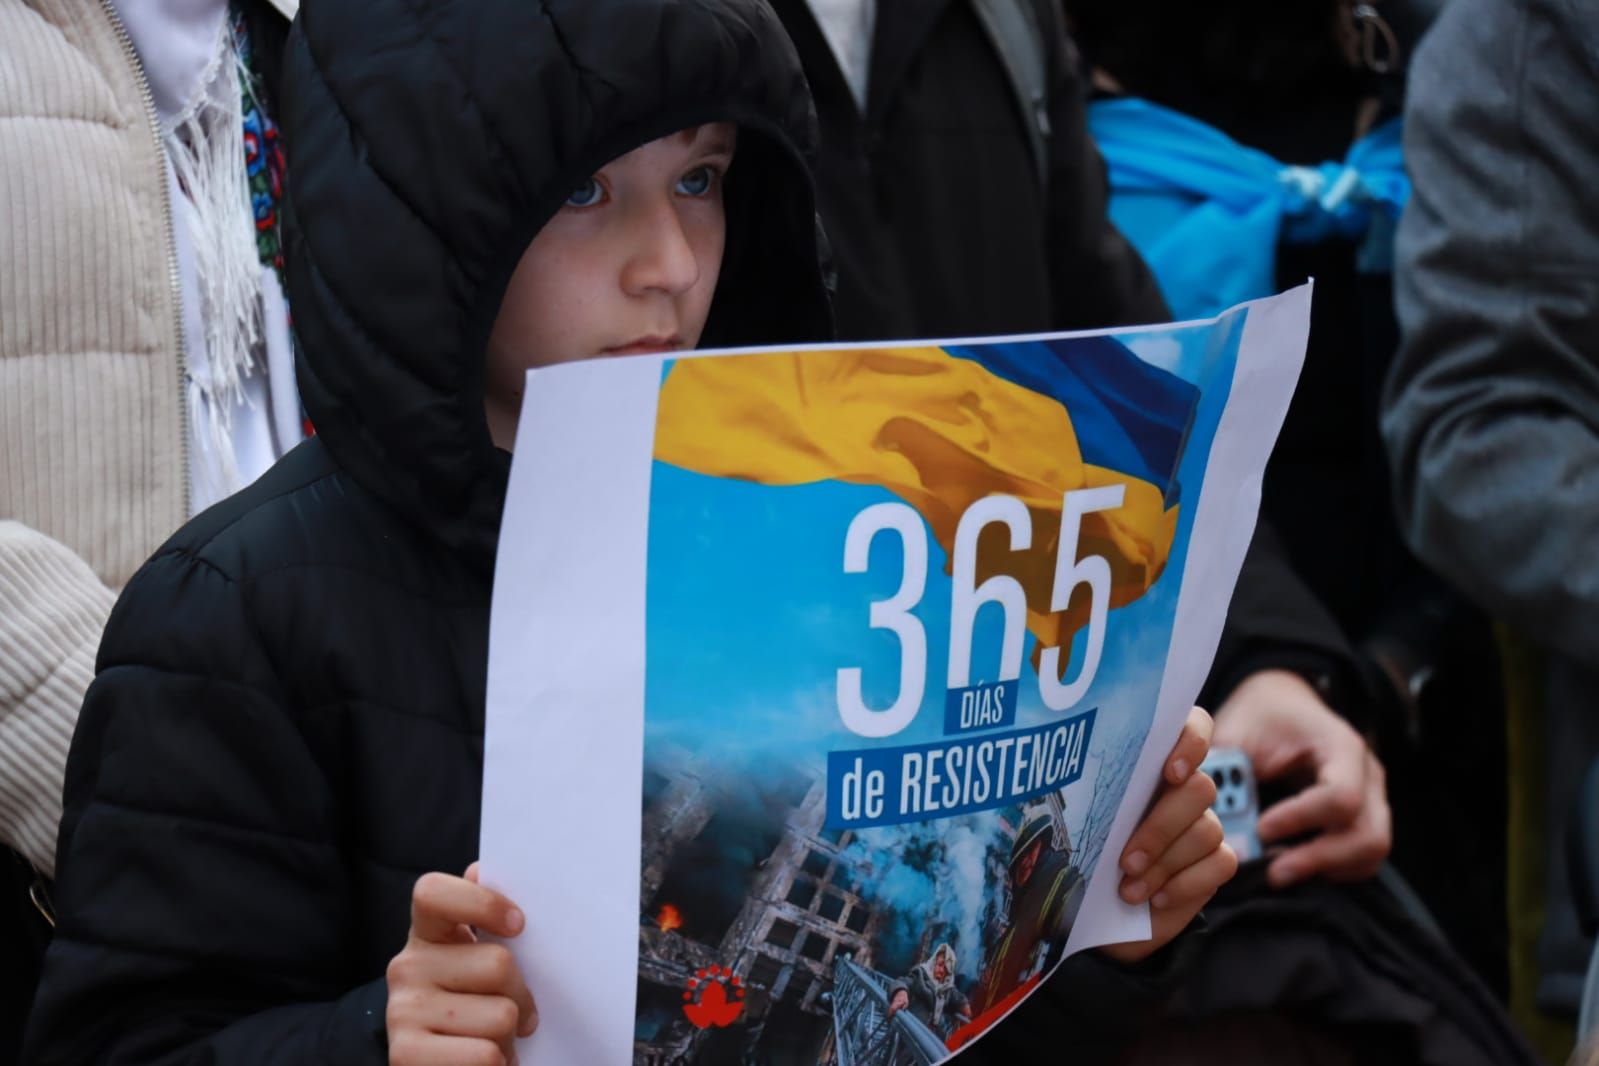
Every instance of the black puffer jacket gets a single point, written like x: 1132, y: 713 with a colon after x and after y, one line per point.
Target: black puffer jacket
x: 286, y: 727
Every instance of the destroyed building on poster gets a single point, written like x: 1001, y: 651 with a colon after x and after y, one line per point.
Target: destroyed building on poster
x: 753, y: 883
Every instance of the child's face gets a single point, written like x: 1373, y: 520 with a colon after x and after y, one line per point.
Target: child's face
x: 628, y: 265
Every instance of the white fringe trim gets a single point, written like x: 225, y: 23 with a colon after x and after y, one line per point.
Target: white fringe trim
x: 206, y: 145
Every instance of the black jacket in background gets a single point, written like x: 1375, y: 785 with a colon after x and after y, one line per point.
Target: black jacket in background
x: 1325, y: 974
x: 931, y: 200
x: 286, y: 726
x: 25, y: 934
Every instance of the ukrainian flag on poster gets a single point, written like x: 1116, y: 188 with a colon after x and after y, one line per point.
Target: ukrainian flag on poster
x: 943, y: 427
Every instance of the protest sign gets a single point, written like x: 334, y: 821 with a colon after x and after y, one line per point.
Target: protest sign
x: 826, y: 686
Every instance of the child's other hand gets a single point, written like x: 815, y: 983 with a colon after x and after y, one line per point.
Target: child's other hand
x: 1176, y: 858
x: 452, y: 998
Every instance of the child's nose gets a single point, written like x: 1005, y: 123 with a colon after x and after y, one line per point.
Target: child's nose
x: 663, y: 259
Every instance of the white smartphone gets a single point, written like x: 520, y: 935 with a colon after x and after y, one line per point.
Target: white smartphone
x: 1237, y: 800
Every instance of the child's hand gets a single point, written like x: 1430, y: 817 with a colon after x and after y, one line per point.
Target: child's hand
x: 1176, y: 858
x: 451, y: 998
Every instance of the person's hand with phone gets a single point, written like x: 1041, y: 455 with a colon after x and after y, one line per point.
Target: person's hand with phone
x: 1342, y: 813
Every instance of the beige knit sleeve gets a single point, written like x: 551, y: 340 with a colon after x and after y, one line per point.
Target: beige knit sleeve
x: 52, y: 610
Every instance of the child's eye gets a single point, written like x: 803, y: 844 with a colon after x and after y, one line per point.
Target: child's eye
x: 586, y: 195
x: 697, y: 182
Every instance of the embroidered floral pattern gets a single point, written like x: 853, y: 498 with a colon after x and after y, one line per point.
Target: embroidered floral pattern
x: 264, y: 166
x: 263, y: 153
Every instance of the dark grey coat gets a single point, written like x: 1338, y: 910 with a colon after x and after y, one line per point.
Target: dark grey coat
x: 1492, y: 409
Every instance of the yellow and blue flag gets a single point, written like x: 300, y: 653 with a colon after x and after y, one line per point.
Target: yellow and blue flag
x: 942, y: 427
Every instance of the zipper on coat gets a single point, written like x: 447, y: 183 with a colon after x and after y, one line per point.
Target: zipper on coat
x: 174, y: 277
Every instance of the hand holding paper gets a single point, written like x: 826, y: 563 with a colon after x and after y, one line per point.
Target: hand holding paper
x: 1176, y: 859
x: 452, y: 997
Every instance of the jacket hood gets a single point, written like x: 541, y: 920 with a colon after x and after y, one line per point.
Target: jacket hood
x: 427, y: 145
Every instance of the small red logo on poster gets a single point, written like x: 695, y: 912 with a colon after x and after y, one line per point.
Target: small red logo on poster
x: 714, y: 996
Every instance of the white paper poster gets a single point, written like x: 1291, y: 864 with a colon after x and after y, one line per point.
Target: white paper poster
x: 826, y: 686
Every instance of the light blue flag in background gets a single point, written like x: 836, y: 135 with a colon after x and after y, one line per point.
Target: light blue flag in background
x: 1207, y: 213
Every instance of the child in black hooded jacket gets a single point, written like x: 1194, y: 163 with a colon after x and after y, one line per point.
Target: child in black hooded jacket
x: 274, y: 786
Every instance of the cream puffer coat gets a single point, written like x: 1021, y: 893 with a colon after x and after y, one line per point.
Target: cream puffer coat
x: 92, y: 439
